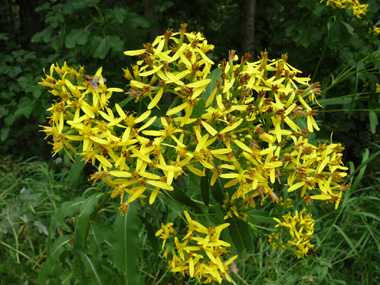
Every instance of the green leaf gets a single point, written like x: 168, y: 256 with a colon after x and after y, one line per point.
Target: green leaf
x: 68, y: 8
x: 215, y: 74
x: 37, y: 91
x: 83, y: 220
x: 94, y: 268
x: 16, y: 70
x: 151, y: 234
x: 65, y: 210
x: 217, y: 191
x: 100, y: 47
x: 4, y: 133
x: 60, y: 245
x: 331, y: 23
x: 259, y: 216
x: 99, y: 234
x: 48, y: 35
x: 75, y: 171
x: 43, y: 273
x: 241, y: 235
x: 54, y: 252
x: 199, y: 109
x: 78, y: 268
x: 3, y: 111
x: 24, y: 81
x: 11, y: 268
x: 125, y: 247
x: 119, y: 14
x: 115, y: 43
x: 76, y: 37
x: 205, y: 189
x: 84, y: 4
x: 362, y: 167
x: 83, y: 37
x: 126, y: 101
x: 24, y: 107
x: 182, y: 198
x: 136, y: 20
x: 370, y: 215
x: 43, y: 7
x: 9, y: 120
x: 67, y: 279
x: 41, y: 227
x: 335, y: 101
x: 44, y: 36
x: 373, y: 121
x: 350, y: 243
x: 349, y: 28
x: 54, y: 19
x: 72, y: 37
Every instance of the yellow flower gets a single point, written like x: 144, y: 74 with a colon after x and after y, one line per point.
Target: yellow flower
x: 301, y: 230
x: 165, y: 232
x: 202, y: 252
x: 354, y: 5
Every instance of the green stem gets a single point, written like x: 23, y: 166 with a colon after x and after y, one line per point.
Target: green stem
x: 15, y: 235
x: 14, y: 249
x: 322, y: 55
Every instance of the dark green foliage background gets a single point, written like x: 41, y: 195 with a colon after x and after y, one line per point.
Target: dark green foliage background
x: 330, y: 45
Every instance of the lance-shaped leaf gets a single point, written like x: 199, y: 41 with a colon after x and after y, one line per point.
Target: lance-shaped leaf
x: 125, y: 246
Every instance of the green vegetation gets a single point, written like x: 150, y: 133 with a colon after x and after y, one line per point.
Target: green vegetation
x: 57, y: 227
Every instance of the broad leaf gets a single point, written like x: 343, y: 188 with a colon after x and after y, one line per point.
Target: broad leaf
x: 65, y: 210
x: 126, y: 245
x: 100, y: 47
x: 373, y: 121
x: 182, y: 198
x: 115, y: 43
x: 75, y: 171
x: 83, y: 220
x: 240, y: 233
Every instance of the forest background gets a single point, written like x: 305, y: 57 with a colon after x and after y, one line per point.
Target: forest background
x: 330, y: 45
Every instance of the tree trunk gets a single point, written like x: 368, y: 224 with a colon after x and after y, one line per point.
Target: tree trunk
x: 249, y: 7
x: 150, y: 14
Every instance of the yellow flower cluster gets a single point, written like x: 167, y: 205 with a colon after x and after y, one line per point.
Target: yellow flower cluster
x: 374, y: 31
x: 248, y: 132
x: 358, y: 9
x: 199, y: 253
x: 77, y: 114
x: 245, y: 133
x: 235, y: 208
x: 300, y: 228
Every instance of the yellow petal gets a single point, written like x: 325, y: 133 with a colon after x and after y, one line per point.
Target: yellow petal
x: 243, y: 146
x: 209, y: 128
x: 143, y: 116
x: 134, y: 52
x: 296, y: 186
x: 103, y: 160
x: 153, y: 196
x: 160, y: 184
x: 118, y: 173
x: 156, y: 98
x: 177, y: 109
x: 138, y: 191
